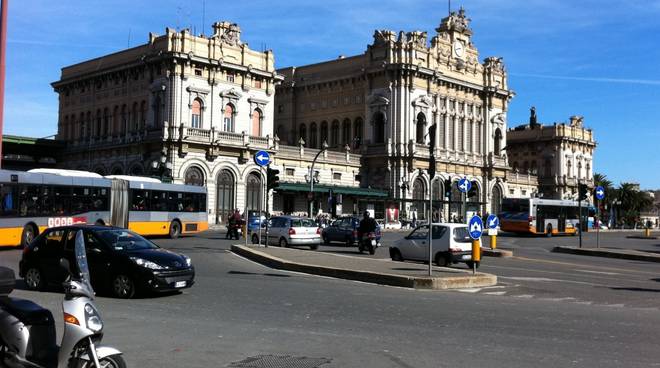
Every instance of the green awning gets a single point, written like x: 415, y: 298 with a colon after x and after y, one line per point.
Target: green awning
x: 320, y: 188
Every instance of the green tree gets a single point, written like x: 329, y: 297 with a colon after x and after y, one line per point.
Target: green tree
x: 632, y: 202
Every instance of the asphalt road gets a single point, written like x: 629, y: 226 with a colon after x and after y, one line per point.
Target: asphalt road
x: 550, y: 310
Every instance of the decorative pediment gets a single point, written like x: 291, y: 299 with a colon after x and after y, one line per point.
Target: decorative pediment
x: 199, y: 90
x: 231, y: 94
x: 377, y: 100
x: 423, y: 102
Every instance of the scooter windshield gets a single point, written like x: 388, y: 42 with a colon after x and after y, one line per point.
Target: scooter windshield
x: 81, y: 259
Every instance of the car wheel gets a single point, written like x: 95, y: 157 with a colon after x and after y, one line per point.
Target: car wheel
x: 396, y: 256
x: 28, y: 235
x: 123, y: 287
x: 372, y: 250
x: 314, y: 247
x: 470, y: 264
x: 34, y: 279
x: 175, y: 229
x: 548, y: 231
x: 283, y: 243
x: 99, y: 223
x: 255, y: 239
x: 349, y: 242
x: 326, y: 241
x: 442, y: 260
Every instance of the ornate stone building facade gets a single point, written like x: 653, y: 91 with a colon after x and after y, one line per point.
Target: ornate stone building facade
x: 560, y: 155
x: 187, y: 108
x: 381, y: 104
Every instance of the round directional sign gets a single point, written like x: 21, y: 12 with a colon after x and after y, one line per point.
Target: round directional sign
x: 492, y: 222
x: 262, y: 158
x: 600, y: 192
x: 464, y: 185
x: 475, y: 227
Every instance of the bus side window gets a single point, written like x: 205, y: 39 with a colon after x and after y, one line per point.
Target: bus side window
x: 30, y: 200
x: 80, y: 200
x: 9, y: 202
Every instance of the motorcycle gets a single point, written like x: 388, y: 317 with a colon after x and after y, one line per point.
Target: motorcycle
x: 27, y: 330
x: 368, y: 242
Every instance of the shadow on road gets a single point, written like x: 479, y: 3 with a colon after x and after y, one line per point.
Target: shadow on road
x: 636, y: 289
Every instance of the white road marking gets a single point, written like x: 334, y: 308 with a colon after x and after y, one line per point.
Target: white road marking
x: 475, y: 290
x: 496, y: 293
x: 598, y: 272
x: 524, y: 296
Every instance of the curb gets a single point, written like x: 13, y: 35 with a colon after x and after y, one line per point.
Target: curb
x: 433, y: 283
x: 599, y: 252
x: 500, y: 253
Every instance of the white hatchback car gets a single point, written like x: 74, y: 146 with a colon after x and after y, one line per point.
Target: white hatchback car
x: 288, y: 230
x: 451, y: 244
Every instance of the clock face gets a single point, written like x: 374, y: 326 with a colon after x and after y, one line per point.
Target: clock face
x: 459, y: 49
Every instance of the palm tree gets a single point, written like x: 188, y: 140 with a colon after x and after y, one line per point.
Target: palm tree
x: 632, y: 202
x: 610, y: 195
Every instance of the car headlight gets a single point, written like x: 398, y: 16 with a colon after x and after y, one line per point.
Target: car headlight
x: 146, y: 264
x: 188, y: 261
x: 92, y: 319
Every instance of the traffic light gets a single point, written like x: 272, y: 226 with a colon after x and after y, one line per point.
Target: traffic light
x: 432, y: 130
x: 448, y: 188
x: 272, y: 178
x: 473, y: 189
x: 582, y: 192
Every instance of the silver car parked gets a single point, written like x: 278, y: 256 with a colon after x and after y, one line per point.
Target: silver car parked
x: 289, y: 230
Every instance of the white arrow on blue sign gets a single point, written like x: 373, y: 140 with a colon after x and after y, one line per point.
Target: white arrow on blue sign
x: 493, y: 222
x: 600, y: 192
x: 475, y: 227
x: 262, y: 158
x: 464, y: 185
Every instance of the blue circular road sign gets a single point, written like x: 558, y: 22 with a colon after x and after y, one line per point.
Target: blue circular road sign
x: 492, y: 222
x: 262, y: 158
x: 600, y: 192
x: 475, y: 227
x: 464, y: 185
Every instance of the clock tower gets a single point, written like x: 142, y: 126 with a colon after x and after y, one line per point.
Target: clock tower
x: 454, y: 31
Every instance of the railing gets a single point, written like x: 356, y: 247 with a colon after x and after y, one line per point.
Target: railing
x: 308, y: 154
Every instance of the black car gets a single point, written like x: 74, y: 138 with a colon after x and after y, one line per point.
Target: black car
x: 120, y: 261
x: 344, y: 230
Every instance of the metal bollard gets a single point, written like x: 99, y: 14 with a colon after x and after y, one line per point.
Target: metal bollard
x: 493, y: 241
x: 476, y: 254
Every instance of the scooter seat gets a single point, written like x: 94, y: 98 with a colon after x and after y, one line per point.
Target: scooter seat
x: 28, y: 312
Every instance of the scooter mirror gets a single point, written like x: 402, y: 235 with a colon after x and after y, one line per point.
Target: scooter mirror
x: 64, y: 263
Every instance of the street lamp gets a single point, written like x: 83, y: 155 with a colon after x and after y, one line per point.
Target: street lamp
x: 311, y: 177
x: 162, y: 167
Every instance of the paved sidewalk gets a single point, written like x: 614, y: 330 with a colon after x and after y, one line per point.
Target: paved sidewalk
x: 377, y: 271
x: 634, y: 255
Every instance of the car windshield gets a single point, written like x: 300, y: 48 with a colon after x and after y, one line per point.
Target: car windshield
x: 461, y: 235
x: 124, y: 240
x: 303, y: 223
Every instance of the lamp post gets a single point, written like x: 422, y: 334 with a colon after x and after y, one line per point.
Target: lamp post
x: 162, y: 167
x: 311, y: 178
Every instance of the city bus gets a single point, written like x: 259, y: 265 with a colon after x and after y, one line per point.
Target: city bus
x: 33, y: 201
x: 539, y: 216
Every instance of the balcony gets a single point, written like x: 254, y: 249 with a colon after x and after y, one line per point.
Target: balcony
x: 212, y: 136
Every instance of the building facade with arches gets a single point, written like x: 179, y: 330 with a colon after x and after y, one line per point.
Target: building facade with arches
x: 384, y: 101
x: 182, y: 107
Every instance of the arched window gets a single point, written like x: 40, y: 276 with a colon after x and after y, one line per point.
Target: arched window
x: 228, y: 122
x: 88, y: 124
x: 547, y: 168
x: 313, y: 136
x: 579, y: 175
x: 134, y: 117
x: 115, y: 121
x: 496, y: 201
x: 106, y: 122
x: 357, y: 133
x: 334, y: 134
x: 588, y: 173
x: 117, y: 171
x: 525, y: 169
x: 302, y: 131
x: 280, y: 132
x: 419, y: 189
x: 99, y: 122
x: 456, y: 204
x: 81, y: 125
x: 196, y: 118
x: 194, y: 176
x: 450, y: 135
x: 324, y: 132
x: 253, y: 194
x: 256, y: 123
x: 379, y: 127
x: 124, y: 119
x: 143, y: 114
x: 421, y: 128
x: 136, y: 170
x: 497, y: 147
x: 533, y: 169
x: 225, y: 190
x: 346, y: 132
x: 569, y: 172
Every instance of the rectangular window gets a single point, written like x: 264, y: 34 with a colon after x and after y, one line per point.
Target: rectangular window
x: 257, y: 83
x: 230, y: 77
x: 336, y: 176
x: 195, y: 123
x: 158, y: 201
x: 198, y: 72
x: 228, y: 125
x: 9, y: 196
x: 290, y: 172
x: 139, y: 200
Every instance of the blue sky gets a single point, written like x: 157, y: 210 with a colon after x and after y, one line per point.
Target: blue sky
x: 598, y: 59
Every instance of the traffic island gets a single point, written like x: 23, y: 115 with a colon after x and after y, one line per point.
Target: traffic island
x: 375, y: 271
x: 633, y: 255
x: 502, y: 253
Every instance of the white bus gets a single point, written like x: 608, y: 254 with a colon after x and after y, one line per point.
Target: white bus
x: 540, y: 216
x: 33, y: 201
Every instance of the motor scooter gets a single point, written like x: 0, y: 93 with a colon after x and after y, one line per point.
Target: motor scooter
x: 27, y: 330
x: 368, y: 242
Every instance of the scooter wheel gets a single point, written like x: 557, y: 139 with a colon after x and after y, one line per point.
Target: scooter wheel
x: 112, y: 361
x: 372, y: 250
